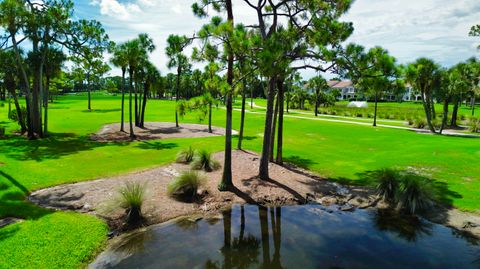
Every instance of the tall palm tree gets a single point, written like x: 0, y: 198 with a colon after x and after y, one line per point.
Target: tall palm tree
x: 133, y: 53
x: 120, y: 59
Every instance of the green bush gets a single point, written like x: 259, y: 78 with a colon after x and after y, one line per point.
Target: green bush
x: 415, y: 193
x: 419, y: 123
x: 186, y: 184
x: 387, y: 183
x: 132, y: 196
x: 2, y: 131
x: 203, y: 160
x: 474, y: 125
x: 405, y: 191
x: 185, y: 155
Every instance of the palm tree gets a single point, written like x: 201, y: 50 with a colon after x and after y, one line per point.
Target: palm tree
x: 318, y: 84
x: 120, y: 59
x: 152, y: 76
x: 133, y: 53
x: 174, y: 50
x: 423, y: 74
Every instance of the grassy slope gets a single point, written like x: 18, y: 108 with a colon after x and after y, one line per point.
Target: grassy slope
x: 335, y: 150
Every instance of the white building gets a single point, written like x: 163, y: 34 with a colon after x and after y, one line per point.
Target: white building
x: 346, y: 89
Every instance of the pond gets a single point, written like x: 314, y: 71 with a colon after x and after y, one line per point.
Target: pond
x: 308, y: 236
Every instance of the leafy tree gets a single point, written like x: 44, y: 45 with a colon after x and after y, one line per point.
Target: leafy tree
x: 424, y: 74
x: 319, y: 85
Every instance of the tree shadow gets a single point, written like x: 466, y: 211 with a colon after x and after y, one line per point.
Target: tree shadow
x: 246, y: 138
x: 157, y: 145
x: 299, y: 161
x: 55, y: 146
x: 101, y: 111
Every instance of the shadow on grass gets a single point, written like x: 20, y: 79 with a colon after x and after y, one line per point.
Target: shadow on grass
x: 53, y: 147
x: 300, y: 161
x: 246, y: 138
x: 101, y: 111
x: 157, y: 145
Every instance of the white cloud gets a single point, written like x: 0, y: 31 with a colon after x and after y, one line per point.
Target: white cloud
x: 115, y: 9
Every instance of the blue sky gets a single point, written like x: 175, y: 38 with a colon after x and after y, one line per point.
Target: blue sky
x: 409, y: 29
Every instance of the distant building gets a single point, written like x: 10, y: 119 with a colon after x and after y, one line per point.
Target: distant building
x: 411, y: 94
x: 346, y: 89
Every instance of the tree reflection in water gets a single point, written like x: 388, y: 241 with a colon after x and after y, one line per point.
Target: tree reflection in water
x: 407, y: 227
x: 243, y: 251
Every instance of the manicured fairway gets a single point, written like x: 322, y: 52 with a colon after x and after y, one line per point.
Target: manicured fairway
x: 337, y: 151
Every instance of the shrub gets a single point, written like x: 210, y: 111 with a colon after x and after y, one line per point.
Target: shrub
x: 2, y: 131
x: 203, y: 160
x: 415, y: 193
x: 410, y: 121
x: 474, y: 125
x: 387, y: 183
x: 359, y: 115
x: 347, y: 114
x: 186, y: 184
x: 132, y: 196
x: 419, y: 123
x: 371, y: 115
x: 185, y: 155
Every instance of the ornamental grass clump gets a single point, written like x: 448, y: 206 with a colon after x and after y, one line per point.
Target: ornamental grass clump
x: 387, y: 183
x: 203, y: 160
x: 474, y: 125
x: 405, y: 191
x: 132, y: 196
x: 186, y: 185
x: 415, y: 193
x: 185, y: 155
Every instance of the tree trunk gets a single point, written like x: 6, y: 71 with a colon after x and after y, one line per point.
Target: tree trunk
x: 316, y: 104
x: 280, y: 97
x: 210, y: 117
x: 426, y: 106
x: 130, y: 116
x: 274, y: 129
x: 227, y: 238
x: 445, y: 115
x: 226, y: 182
x: 242, y: 120
x: 453, y: 122
x: 122, y: 129
x: 88, y: 92
x: 251, y: 98
x: 473, y: 105
x: 45, y: 104
x: 375, y: 111
x: 264, y: 160
x: 21, y: 120
x: 432, y: 107
x: 144, y: 104
x: 179, y: 71
x: 135, y: 88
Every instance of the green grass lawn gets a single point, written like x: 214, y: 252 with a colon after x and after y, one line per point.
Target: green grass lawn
x: 338, y: 151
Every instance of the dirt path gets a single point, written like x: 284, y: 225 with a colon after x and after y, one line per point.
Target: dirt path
x: 156, y: 130
x: 288, y: 185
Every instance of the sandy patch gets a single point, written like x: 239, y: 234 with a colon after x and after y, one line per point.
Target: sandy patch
x: 156, y: 130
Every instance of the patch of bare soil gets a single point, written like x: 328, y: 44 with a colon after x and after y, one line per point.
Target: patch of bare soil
x: 288, y: 185
x: 155, y: 130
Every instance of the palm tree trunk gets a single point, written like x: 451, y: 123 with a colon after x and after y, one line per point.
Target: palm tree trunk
x: 179, y: 70
x: 251, y: 97
x: 445, y: 115
x: 426, y: 107
x: 375, y: 112
x: 227, y: 237
x: 280, y: 97
x: 432, y: 107
x: 21, y: 120
x: 122, y: 129
x: 226, y: 182
x: 242, y: 120
x: 473, y: 105
x: 135, y: 88
x: 263, y: 216
x: 274, y: 129
x: 210, y: 117
x: 88, y: 92
x: 144, y: 104
x: 130, y: 116
x: 264, y: 159
x: 453, y: 122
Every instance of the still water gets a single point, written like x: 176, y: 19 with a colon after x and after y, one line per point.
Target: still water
x: 308, y: 236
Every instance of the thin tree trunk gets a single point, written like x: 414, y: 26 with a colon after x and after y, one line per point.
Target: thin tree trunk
x: 210, y: 117
x: 316, y: 104
x: 242, y: 120
x: 130, y: 116
x: 179, y: 70
x: 88, y: 92
x: 432, y: 107
x: 473, y: 106
x: 453, y: 122
x: 45, y: 104
x: 264, y: 160
x: 135, y: 88
x: 274, y: 129
x: 144, y: 104
x: 251, y: 98
x: 445, y: 115
x: 280, y: 97
x: 21, y: 120
x: 226, y: 182
x: 227, y: 237
x: 122, y: 128
x: 375, y: 112
x: 426, y: 107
